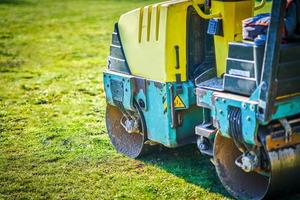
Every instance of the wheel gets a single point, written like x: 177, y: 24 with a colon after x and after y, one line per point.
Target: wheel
x: 280, y: 179
x: 130, y: 144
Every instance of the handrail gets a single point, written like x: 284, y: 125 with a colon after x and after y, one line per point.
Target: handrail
x: 202, y: 14
x: 260, y: 5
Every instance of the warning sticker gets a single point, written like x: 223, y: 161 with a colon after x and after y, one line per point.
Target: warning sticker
x: 178, y: 103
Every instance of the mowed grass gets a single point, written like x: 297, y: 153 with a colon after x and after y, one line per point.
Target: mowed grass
x: 53, y: 142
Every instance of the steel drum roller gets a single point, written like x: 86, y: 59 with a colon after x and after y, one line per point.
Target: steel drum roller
x: 129, y: 144
x: 283, y: 177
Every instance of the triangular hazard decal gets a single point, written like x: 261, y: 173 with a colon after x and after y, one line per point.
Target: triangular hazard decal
x: 178, y: 103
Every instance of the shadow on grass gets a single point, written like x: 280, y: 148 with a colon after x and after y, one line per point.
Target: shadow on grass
x: 187, y: 163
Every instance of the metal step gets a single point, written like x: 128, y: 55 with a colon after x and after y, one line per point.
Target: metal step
x: 238, y: 67
x: 206, y: 134
x: 239, y: 50
x: 239, y: 84
x: 205, y: 130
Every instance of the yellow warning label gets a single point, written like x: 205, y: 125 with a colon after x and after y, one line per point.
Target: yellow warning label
x: 178, y: 103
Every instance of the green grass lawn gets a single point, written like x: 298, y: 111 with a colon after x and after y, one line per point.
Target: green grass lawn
x: 53, y: 141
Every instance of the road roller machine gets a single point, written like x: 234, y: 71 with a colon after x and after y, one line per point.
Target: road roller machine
x: 179, y: 72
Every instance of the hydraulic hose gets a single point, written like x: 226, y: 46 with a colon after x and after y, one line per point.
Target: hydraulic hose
x: 202, y: 14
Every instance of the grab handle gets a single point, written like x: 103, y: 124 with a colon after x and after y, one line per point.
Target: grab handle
x: 202, y: 14
x: 260, y: 5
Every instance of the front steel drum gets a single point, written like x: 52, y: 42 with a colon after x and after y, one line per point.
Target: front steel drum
x: 130, y: 144
x: 284, y: 175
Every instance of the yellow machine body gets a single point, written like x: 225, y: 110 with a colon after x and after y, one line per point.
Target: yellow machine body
x: 232, y: 14
x: 149, y: 36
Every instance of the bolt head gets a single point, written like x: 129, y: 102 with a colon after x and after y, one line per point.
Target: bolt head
x: 244, y: 105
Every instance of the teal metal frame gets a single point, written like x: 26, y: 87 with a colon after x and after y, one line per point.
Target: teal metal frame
x: 166, y: 124
x: 219, y: 103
